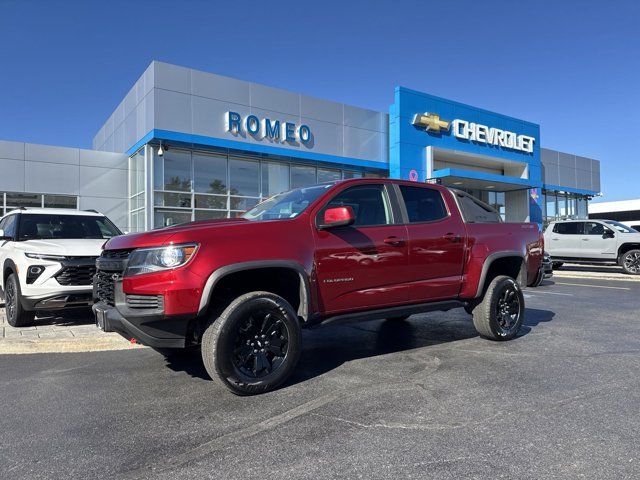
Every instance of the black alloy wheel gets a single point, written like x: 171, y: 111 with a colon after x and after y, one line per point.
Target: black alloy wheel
x: 261, y: 343
x: 508, y: 308
x: 10, y: 300
x: 17, y: 316
x: 254, y: 345
x: 501, y: 312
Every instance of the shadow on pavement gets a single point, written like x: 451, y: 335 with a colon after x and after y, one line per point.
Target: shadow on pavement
x: 535, y: 316
x: 76, y: 316
x: 325, y: 349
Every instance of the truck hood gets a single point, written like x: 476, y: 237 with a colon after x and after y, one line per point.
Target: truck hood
x: 76, y: 247
x: 156, y: 238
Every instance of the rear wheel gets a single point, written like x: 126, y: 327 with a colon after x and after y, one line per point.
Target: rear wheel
x: 254, y: 346
x: 630, y: 262
x: 16, y: 315
x: 501, y: 313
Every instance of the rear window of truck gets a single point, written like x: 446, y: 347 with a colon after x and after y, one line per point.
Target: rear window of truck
x: 475, y: 211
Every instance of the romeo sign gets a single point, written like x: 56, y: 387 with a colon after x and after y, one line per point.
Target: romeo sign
x: 261, y: 128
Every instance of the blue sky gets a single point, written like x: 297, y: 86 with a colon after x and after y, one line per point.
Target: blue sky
x: 572, y: 66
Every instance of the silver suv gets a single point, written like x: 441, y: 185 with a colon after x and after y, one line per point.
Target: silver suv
x: 593, y: 241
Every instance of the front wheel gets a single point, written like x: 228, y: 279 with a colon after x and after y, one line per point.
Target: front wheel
x: 557, y: 265
x: 501, y: 313
x: 630, y: 262
x: 254, y: 346
x: 16, y: 315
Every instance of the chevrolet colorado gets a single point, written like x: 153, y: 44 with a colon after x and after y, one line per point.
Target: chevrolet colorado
x: 360, y: 249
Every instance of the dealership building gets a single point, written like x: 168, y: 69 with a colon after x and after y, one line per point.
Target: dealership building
x: 190, y: 145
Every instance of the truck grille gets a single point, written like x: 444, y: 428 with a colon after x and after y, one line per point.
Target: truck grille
x: 80, y: 275
x: 111, y: 265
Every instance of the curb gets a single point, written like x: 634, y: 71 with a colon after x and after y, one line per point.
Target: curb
x: 72, y: 345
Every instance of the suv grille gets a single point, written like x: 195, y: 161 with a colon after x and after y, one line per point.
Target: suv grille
x: 111, y: 266
x: 80, y: 275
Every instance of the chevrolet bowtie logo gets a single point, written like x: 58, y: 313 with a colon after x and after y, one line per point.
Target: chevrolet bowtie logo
x: 431, y: 122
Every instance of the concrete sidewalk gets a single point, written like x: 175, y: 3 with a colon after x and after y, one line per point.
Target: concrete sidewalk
x: 599, y: 272
x: 59, y: 333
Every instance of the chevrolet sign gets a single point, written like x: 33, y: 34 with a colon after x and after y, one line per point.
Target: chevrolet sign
x: 475, y: 132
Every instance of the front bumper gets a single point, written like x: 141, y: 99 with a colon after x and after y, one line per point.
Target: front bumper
x: 153, y: 330
x: 59, y: 300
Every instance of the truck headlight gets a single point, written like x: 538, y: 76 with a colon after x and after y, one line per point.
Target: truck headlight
x: 148, y: 260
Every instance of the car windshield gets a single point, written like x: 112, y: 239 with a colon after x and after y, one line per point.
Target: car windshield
x: 46, y: 227
x: 286, y: 205
x: 621, y: 227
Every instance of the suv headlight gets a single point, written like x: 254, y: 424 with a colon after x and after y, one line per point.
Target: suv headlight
x: 41, y: 256
x: 148, y: 260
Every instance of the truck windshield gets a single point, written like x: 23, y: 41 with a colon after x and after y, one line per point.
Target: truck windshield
x: 621, y: 227
x: 46, y: 227
x: 286, y: 205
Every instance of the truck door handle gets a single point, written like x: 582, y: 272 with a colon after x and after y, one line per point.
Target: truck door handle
x: 585, y: 239
x: 394, y: 241
x: 452, y: 237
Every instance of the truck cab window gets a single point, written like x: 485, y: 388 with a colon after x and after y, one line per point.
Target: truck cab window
x: 368, y: 202
x: 423, y: 204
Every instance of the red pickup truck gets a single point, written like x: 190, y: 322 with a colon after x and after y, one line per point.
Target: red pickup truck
x: 362, y: 249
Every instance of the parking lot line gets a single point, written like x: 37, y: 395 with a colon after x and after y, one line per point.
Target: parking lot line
x: 593, y: 286
x: 556, y: 293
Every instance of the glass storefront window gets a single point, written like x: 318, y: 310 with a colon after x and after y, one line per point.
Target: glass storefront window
x: 244, y: 177
x: 60, y: 201
x: 242, y: 203
x: 10, y: 201
x: 211, y: 201
x: 175, y: 173
x: 166, y: 218
x: 182, y: 200
x: 551, y: 206
x: 325, y: 175
x: 210, y: 173
x: 275, y: 178
x: 209, y: 214
x: 302, y: 176
x: 201, y: 185
x: 347, y: 175
x: 24, y: 200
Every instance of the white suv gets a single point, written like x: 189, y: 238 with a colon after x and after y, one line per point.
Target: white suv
x: 48, y: 259
x: 593, y: 241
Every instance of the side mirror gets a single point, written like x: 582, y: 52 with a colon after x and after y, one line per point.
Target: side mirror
x: 3, y: 236
x: 337, y: 217
x: 608, y: 234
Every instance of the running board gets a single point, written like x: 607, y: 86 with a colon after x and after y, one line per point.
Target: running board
x: 383, y: 313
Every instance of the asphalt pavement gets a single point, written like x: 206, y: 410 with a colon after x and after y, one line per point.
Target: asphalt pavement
x: 425, y: 398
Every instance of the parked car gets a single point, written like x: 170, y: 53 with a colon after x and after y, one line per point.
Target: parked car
x: 353, y: 250
x: 48, y: 259
x: 593, y: 241
x: 545, y: 272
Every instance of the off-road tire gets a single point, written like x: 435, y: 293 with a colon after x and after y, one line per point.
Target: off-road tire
x: 220, y: 345
x: 486, y: 315
x: 629, y: 262
x: 17, y: 316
